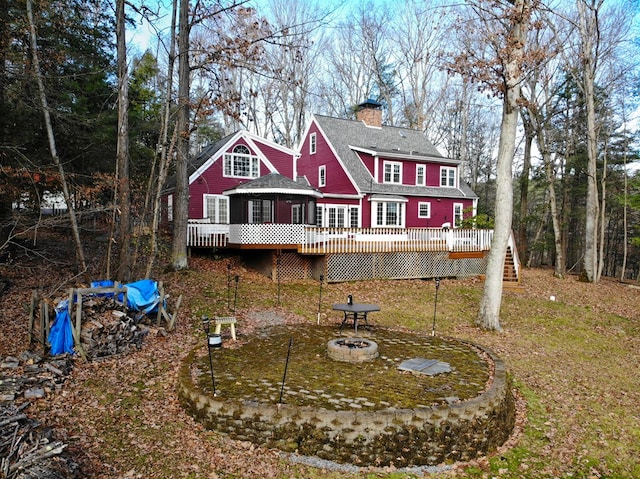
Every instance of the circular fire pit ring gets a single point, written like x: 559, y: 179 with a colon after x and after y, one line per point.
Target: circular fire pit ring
x: 352, y: 350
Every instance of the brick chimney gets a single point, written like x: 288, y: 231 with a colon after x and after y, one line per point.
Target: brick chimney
x: 370, y: 112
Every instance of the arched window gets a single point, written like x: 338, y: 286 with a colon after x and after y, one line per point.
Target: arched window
x: 242, y: 150
x: 241, y: 164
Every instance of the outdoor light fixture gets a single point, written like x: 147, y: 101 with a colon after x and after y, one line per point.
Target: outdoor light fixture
x: 213, y: 341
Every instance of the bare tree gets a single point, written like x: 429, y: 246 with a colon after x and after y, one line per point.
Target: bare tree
x: 419, y: 35
x: 52, y: 141
x: 122, y: 152
x: 181, y: 203
x: 503, y: 29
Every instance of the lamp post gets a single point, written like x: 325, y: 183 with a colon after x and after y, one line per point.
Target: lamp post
x: 213, y: 341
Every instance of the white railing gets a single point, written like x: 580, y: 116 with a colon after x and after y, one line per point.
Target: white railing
x: 312, y: 239
x: 201, y: 234
x: 353, y: 240
x: 266, y: 234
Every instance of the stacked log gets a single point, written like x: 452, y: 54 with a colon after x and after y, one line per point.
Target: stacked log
x: 106, y: 331
x: 31, y: 376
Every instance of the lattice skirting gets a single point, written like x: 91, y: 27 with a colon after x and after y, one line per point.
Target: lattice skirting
x: 291, y: 266
x: 401, y: 265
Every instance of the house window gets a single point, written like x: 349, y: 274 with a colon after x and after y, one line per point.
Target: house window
x: 458, y: 214
x: 312, y: 144
x: 392, y: 172
x: 447, y: 176
x: 389, y: 213
x: 354, y: 217
x: 319, y: 215
x: 260, y: 211
x: 241, y: 164
x: 424, y: 210
x: 421, y: 175
x: 322, y: 176
x: 297, y: 214
x: 216, y: 208
x: 336, y: 216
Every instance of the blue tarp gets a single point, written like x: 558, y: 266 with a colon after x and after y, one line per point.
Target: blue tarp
x: 142, y: 296
x: 60, y: 335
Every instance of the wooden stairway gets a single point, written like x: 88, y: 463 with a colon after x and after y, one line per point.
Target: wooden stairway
x: 510, y: 276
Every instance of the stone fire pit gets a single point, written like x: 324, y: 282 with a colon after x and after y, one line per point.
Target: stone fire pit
x: 352, y: 350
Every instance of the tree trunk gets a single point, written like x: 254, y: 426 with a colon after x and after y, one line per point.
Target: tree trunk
x: 165, y: 156
x: 550, y: 175
x: 489, y: 313
x: 52, y: 144
x: 181, y: 204
x: 588, y: 31
x: 123, y: 269
x: 523, y: 247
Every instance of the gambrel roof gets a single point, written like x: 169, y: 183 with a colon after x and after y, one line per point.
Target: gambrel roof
x: 348, y: 138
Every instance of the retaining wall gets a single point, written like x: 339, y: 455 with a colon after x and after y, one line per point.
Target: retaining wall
x: 400, y: 437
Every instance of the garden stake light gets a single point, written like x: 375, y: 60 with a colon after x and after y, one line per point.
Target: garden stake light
x: 286, y: 365
x: 213, y: 341
x: 235, y: 295
x: 228, y: 285
x: 320, y: 298
x: 435, y: 305
x: 278, y: 277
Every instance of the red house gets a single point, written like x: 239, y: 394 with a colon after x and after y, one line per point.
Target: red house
x: 230, y: 162
x: 374, y: 176
x: 359, y: 200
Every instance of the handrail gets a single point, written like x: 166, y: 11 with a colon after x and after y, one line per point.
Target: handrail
x: 323, y: 240
x: 320, y: 240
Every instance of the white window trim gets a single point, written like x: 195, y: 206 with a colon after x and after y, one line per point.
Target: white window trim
x: 218, y: 198
x: 313, y: 144
x: 424, y: 175
x: 322, y: 175
x: 374, y: 214
x: 392, y: 164
x: 449, y: 169
x: 422, y: 203
x: 458, y: 217
x: 228, y: 166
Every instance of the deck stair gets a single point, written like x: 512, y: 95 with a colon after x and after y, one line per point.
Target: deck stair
x: 510, y: 276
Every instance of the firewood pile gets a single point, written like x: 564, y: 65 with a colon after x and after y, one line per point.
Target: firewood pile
x: 31, y: 376
x: 28, y: 450
x: 107, y: 331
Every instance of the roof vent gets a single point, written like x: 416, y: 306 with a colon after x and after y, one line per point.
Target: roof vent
x: 402, y: 134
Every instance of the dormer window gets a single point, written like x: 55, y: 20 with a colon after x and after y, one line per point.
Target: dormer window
x: 392, y: 172
x: 241, y: 164
x: 447, y: 177
x: 313, y: 146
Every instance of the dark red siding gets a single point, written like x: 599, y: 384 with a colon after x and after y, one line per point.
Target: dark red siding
x: 337, y: 180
